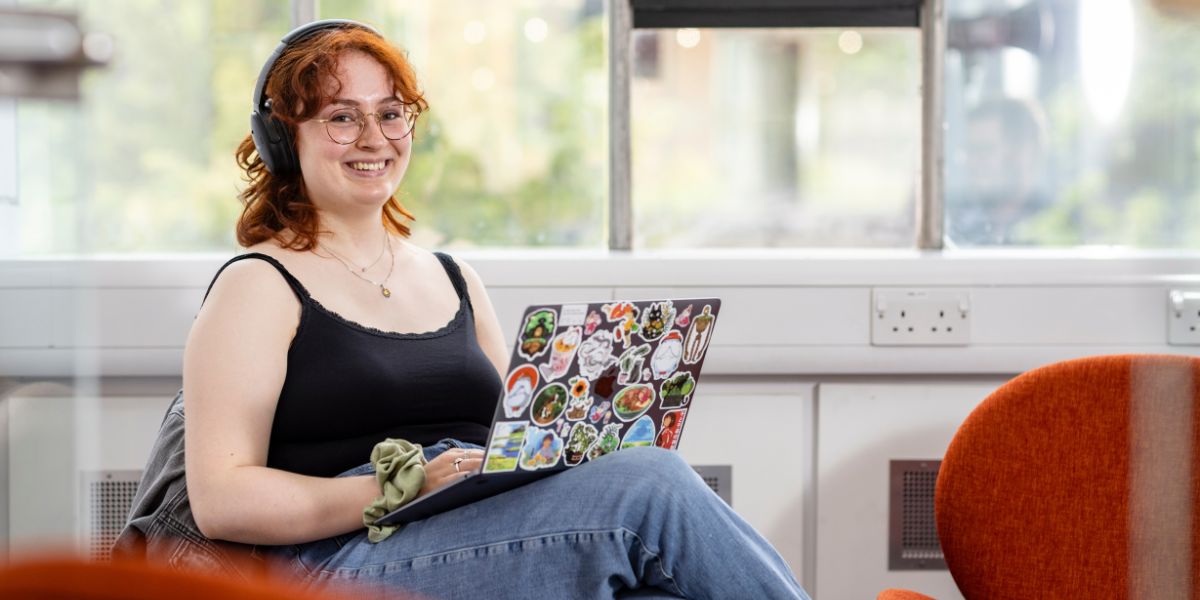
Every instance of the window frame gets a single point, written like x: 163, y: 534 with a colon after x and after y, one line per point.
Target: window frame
x: 627, y: 15
x: 623, y: 16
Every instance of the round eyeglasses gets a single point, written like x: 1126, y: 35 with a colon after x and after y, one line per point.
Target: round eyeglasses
x: 347, y: 124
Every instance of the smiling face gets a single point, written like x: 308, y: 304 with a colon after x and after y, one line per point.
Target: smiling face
x: 367, y: 172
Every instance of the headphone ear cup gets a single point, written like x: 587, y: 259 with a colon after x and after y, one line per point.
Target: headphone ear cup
x: 285, y: 148
x: 273, y: 141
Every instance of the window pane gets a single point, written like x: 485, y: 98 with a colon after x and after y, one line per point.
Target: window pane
x: 1073, y: 122
x: 144, y: 161
x: 514, y: 150
x: 775, y: 138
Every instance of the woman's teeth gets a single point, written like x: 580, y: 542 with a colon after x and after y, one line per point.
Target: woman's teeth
x: 368, y: 166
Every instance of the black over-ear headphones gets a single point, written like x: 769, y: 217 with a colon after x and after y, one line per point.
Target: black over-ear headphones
x: 271, y: 136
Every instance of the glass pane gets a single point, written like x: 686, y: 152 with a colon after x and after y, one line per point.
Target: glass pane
x: 144, y: 161
x: 513, y: 151
x: 1073, y: 122
x: 775, y: 138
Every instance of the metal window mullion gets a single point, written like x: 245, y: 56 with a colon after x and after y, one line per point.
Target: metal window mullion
x: 304, y: 11
x: 620, y: 208
x: 930, y: 210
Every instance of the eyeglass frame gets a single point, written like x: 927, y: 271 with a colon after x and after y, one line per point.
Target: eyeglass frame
x: 410, y: 119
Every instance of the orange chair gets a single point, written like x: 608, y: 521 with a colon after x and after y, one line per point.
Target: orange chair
x: 67, y: 577
x: 1076, y: 480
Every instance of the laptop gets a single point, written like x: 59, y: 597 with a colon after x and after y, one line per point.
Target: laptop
x: 585, y: 379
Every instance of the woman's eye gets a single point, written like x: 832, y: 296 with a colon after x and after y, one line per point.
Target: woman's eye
x: 392, y: 114
x: 342, y: 118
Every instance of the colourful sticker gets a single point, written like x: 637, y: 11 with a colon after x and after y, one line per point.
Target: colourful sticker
x: 591, y: 323
x: 656, y: 320
x: 641, y: 433
x: 562, y: 352
x: 668, y: 433
x: 506, y: 446
x: 631, y: 362
x: 549, y: 404
x: 633, y: 402
x: 610, y: 440
x: 599, y: 411
x: 535, y: 334
x: 625, y: 316
x: 677, y: 390
x: 572, y: 314
x: 698, y: 335
x: 563, y: 428
x: 541, y: 450
x: 581, y: 439
x: 666, y: 356
x: 619, y: 311
x: 519, y: 388
x: 580, y: 400
x: 685, y: 317
x: 595, y: 354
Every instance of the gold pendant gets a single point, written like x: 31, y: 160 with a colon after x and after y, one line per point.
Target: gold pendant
x: 386, y: 292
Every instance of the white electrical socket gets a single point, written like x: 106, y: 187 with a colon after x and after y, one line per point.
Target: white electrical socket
x: 907, y: 317
x: 1183, y: 317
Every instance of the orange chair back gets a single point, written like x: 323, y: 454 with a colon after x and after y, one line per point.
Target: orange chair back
x: 1077, y: 480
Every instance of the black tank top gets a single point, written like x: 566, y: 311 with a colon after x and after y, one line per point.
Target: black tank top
x: 349, y: 386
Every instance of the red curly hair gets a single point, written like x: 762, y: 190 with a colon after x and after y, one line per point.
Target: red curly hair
x: 274, y: 203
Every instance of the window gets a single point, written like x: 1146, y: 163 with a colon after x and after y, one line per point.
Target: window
x: 775, y: 137
x: 144, y: 161
x: 758, y: 123
x: 1073, y: 123
x: 513, y: 151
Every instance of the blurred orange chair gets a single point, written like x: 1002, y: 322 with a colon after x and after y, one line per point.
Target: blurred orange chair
x: 70, y: 578
x: 1076, y: 480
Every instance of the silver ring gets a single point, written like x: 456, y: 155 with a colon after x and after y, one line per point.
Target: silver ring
x: 457, y: 461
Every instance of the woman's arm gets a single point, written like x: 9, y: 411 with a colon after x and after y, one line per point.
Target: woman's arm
x: 234, y: 366
x: 487, y: 326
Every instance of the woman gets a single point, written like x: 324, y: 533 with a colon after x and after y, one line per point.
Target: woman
x: 335, y: 332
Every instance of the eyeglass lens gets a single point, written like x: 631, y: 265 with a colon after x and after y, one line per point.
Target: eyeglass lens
x: 346, y: 125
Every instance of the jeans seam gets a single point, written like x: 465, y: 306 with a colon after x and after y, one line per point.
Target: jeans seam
x: 325, y: 574
x: 657, y: 559
x: 388, y: 565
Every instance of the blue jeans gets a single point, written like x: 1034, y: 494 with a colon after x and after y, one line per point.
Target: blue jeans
x: 634, y: 523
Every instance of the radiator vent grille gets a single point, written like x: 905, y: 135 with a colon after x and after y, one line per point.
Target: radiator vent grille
x: 719, y: 478
x: 107, y: 497
x: 912, y: 536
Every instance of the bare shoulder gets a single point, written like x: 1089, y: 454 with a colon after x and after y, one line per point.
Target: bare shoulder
x: 468, y: 272
x: 249, y: 279
x: 252, y: 293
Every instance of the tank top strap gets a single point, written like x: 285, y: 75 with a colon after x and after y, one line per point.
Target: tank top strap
x: 297, y: 287
x: 455, y: 275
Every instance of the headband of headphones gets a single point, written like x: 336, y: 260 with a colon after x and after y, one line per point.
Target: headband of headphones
x: 272, y: 139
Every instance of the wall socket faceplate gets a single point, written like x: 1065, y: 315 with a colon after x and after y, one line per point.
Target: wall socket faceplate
x: 1183, y: 317
x: 918, y: 317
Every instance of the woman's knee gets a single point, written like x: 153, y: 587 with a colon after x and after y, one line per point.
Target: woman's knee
x: 654, y: 466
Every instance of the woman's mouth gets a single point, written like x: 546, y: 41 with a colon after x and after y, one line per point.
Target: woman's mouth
x: 364, y: 168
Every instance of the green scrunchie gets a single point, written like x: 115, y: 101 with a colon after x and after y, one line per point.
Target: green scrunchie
x: 400, y: 471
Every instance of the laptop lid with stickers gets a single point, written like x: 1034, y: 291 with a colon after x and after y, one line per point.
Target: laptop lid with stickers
x: 589, y: 379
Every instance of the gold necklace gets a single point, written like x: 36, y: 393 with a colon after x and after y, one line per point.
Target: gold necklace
x: 381, y: 248
x: 382, y: 285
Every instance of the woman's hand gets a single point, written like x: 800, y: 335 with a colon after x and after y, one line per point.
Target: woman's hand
x: 451, y: 465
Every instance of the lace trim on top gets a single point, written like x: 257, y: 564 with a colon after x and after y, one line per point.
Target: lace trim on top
x: 455, y: 322
x: 307, y: 300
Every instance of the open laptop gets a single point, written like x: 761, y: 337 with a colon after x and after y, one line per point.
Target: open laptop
x: 584, y: 380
